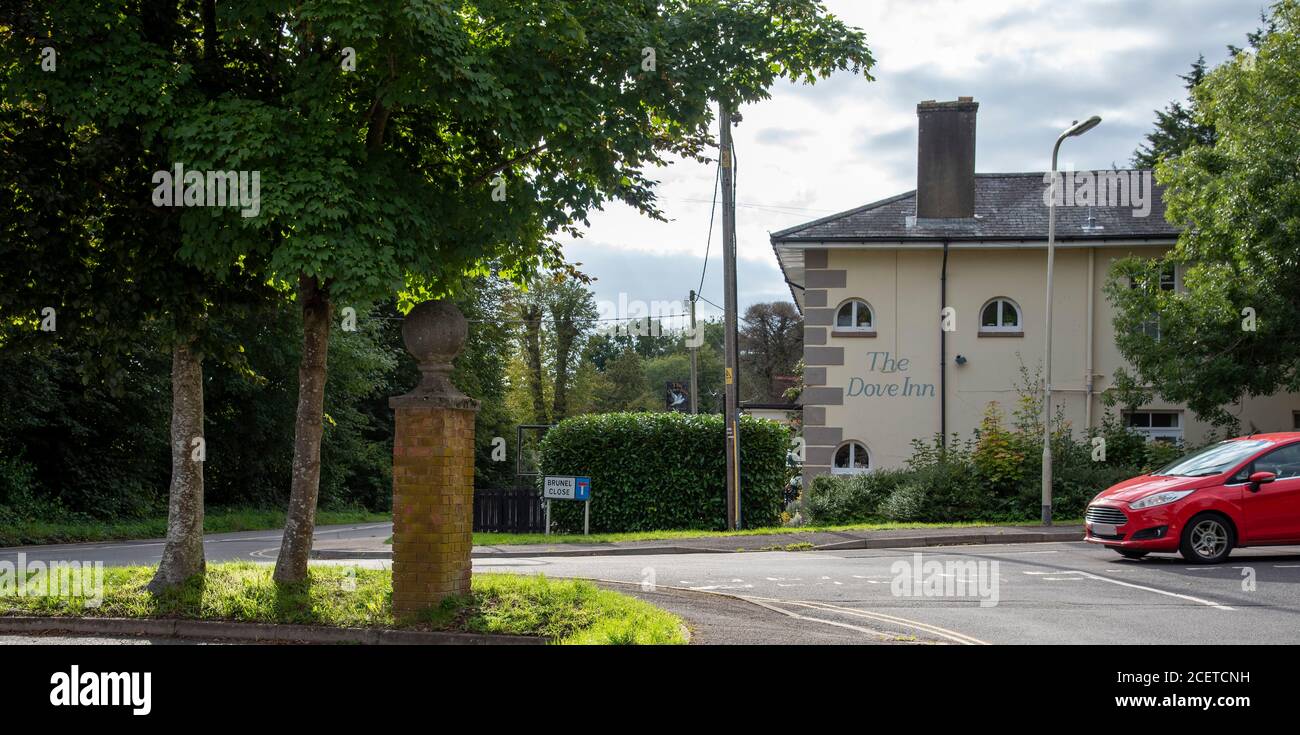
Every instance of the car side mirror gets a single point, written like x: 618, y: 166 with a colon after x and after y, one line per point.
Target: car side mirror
x: 1260, y: 478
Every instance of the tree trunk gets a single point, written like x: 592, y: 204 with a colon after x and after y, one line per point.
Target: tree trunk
x: 300, y: 521
x: 182, y: 556
x: 565, y: 334
x: 532, y: 316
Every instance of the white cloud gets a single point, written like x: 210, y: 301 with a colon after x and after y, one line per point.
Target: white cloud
x: 1034, y: 65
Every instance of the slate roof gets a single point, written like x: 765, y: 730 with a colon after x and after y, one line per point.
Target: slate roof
x: 1007, y: 207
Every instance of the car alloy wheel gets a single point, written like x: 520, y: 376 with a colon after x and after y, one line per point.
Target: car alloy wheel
x: 1207, y: 539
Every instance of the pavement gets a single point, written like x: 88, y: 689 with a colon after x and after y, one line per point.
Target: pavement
x: 373, y: 546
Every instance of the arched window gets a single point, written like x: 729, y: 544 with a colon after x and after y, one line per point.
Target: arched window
x: 1001, y: 316
x: 855, y: 315
x: 851, y: 459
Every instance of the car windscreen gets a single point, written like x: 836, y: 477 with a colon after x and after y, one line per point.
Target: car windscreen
x: 1214, y: 459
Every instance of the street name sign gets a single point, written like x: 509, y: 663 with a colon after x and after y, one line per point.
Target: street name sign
x: 566, y: 488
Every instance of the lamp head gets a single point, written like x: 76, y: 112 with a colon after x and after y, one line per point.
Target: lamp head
x: 1079, y: 128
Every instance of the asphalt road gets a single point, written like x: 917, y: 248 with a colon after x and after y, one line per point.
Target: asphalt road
x: 1046, y: 593
x: 1065, y: 592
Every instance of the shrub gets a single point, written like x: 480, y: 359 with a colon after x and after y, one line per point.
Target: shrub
x: 998, y: 455
x: 839, y: 499
x: 907, y: 503
x: 994, y: 477
x: 661, y: 471
x: 953, y: 492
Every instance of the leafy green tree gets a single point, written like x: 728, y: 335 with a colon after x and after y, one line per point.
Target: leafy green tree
x: 461, y: 135
x: 626, y: 388
x: 1235, y: 329
x: 1177, y: 126
x: 572, y: 309
x: 81, y: 234
x: 771, y: 342
x: 531, y: 311
x: 480, y: 371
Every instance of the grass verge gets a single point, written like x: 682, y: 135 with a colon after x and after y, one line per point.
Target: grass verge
x: 508, y: 539
x: 216, y: 520
x: 562, y: 610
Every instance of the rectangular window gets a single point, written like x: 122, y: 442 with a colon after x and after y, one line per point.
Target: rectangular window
x: 1160, y: 426
x: 1295, y: 420
x: 1168, y: 282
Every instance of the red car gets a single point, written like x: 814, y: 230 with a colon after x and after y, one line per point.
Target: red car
x: 1239, y: 492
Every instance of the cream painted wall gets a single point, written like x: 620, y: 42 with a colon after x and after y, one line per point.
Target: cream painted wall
x: 903, y: 290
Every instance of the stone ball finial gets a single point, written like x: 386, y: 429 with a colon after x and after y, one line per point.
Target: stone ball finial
x: 435, y: 333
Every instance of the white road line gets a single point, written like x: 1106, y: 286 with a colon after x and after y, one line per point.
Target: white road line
x: 1197, y: 600
x: 790, y: 613
x: 935, y: 630
x: 881, y: 635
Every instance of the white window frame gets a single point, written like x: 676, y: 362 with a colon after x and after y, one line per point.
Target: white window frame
x: 1151, y: 327
x: 1001, y: 328
x: 853, y: 446
x: 1161, y: 433
x: 854, y: 305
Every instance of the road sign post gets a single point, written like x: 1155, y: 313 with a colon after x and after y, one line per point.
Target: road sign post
x: 568, y: 487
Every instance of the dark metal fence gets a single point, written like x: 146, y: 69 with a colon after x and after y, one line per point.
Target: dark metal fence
x: 508, y: 510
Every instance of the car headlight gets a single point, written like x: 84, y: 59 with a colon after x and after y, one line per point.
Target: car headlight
x: 1163, y: 498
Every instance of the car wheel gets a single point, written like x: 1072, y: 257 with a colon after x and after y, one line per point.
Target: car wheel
x: 1132, y: 554
x: 1207, y: 539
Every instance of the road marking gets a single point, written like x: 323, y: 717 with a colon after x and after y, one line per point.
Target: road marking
x: 881, y: 635
x: 790, y: 613
x: 1197, y: 600
x: 935, y: 630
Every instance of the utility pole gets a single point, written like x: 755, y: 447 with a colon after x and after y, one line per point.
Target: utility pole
x: 731, y: 371
x: 693, y: 339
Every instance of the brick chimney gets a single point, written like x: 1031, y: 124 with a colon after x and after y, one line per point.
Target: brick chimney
x: 945, y: 159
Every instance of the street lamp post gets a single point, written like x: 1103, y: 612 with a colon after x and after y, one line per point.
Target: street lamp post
x: 1078, y: 128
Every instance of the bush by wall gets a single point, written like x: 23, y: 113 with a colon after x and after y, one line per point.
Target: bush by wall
x: 992, y: 477
x: 660, y: 471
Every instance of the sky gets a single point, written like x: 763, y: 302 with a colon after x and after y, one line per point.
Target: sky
x: 811, y: 151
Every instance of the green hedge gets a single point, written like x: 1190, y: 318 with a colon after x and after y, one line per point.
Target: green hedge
x: 664, y: 471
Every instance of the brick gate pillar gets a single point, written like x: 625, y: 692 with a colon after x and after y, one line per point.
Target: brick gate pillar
x: 433, y: 466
